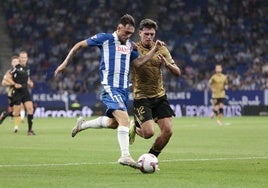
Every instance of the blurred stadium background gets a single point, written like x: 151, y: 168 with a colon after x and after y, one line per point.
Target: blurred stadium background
x: 199, y: 33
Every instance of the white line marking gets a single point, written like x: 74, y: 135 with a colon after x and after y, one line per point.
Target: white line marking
x: 216, y: 159
x: 109, y: 163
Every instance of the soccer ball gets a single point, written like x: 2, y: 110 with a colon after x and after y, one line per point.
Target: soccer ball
x: 148, y: 163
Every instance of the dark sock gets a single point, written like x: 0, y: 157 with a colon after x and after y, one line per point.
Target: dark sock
x: 154, y: 152
x: 30, y: 121
x: 5, y: 115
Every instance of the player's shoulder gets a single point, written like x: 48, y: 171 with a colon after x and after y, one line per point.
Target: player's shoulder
x: 101, y: 36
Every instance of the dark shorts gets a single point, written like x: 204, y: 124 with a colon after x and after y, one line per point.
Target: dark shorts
x: 217, y: 101
x: 20, y: 96
x: 152, y: 108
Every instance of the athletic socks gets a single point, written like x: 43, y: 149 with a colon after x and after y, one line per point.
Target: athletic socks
x: 100, y: 122
x: 154, y: 152
x: 123, y: 139
x: 30, y: 121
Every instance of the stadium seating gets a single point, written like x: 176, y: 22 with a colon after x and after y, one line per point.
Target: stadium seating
x: 198, y: 33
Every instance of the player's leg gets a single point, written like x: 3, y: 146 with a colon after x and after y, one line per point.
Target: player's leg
x: 16, y: 117
x: 30, y: 110
x: 99, y: 122
x: 107, y: 121
x: 7, y: 113
x: 163, y: 138
x: 162, y: 113
x: 219, y: 117
x: 4, y: 115
x: 215, y: 109
x: 143, y: 124
x: 22, y: 113
x: 146, y: 129
x: 123, y: 138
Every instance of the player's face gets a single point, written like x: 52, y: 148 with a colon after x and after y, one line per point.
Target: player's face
x: 23, y: 58
x: 124, y: 32
x: 218, y: 69
x: 147, y: 36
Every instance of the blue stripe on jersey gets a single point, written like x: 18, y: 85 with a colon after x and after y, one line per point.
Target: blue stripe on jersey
x: 115, y: 59
x: 123, y: 59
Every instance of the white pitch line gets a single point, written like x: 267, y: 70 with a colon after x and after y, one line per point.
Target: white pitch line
x: 216, y: 159
x: 109, y: 163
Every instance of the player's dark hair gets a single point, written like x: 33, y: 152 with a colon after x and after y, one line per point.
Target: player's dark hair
x: 127, y: 19
x: 15, y: 56
x: 148, y: 23
x: 218, y: 64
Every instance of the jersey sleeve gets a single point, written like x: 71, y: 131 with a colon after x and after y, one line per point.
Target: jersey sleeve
x: 97, y: 40
x: 165, y: 52
x: 134, y: 55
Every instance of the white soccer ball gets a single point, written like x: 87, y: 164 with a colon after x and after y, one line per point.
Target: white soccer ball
x: 148, y: 163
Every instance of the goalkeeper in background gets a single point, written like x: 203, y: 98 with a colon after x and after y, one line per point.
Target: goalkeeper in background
x: 218, y: 83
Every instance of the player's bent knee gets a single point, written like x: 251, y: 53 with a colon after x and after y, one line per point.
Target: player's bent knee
x: 148, y: 135
x: 167, y: 133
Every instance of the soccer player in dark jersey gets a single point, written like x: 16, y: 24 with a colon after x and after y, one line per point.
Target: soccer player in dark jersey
x: 117, y: 53
x: 8, y: 81
x: 150, y: 100
x: 218, y: 83
x: 21, y: 80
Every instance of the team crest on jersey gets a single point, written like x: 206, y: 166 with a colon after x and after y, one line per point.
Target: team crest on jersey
x: 123, y: 49
x: 94, y: 37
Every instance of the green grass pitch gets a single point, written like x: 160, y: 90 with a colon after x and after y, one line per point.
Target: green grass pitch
x: 200, y: 154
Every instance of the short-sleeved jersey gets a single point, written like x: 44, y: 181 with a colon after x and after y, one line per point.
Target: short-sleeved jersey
x: 147, y: 80
x: 115, y: 59
x: 217, y: 83
x: 20, y: 75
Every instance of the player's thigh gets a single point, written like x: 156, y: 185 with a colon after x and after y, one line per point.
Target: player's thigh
x: 121, y: 117
x: 142, y: 111
x: 147, y: 128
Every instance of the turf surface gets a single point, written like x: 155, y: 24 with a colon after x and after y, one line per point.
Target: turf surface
x: 200, y: 154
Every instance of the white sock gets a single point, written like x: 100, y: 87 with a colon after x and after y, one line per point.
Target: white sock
x: 123, y: 139
x: 100, y: 122
x: 22, y: 114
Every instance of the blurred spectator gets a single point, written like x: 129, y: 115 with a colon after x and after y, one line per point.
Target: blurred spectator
x: 199, y: 34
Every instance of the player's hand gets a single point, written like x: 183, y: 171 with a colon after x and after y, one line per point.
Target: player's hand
x: 30, y: 83
x: 60, y: 69
x: 162, y: 59
x: 159, y: 43
x: 17, y: 86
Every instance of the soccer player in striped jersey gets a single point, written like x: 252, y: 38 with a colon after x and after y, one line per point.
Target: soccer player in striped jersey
x: 117, y: 52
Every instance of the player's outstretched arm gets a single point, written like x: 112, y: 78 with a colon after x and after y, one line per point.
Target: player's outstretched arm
x: 142, y: 59
x: 75, y: 49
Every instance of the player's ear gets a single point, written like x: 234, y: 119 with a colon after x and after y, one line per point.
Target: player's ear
x: 119, y: 27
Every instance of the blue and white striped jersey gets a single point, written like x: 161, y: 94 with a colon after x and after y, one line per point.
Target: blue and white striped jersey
x: 115, y: 59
